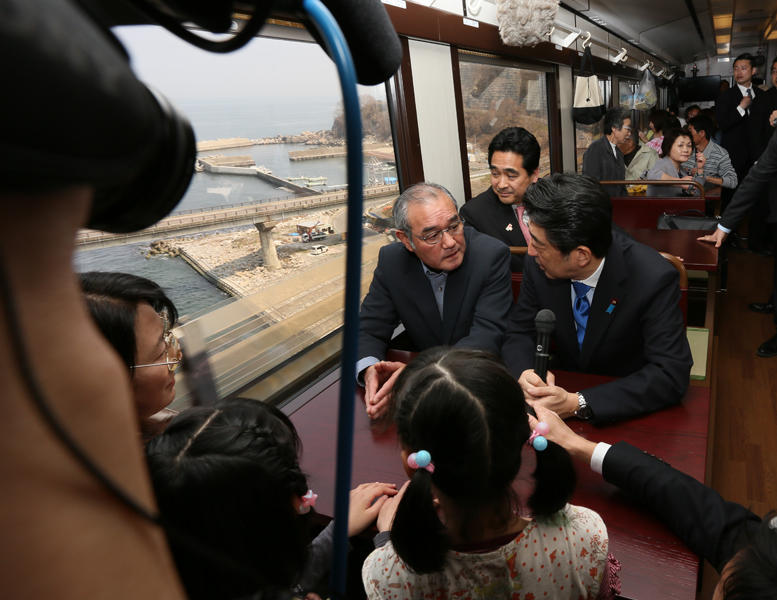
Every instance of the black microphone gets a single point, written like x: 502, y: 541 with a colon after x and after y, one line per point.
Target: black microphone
x: 544, y: 323
x: 374, y: 44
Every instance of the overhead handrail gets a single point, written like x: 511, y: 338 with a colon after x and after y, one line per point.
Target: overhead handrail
x: 621, y: 57
x: 664, y: 182
x: 587, y: 41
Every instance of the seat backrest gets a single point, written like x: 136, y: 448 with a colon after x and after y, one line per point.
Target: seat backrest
x: 643, y: 212
x: 517, y: 278
x: 677, y: 263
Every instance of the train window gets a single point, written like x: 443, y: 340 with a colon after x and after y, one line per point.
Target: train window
x: 585, y: 134
x: 498, y: 94
x: 238, y: 255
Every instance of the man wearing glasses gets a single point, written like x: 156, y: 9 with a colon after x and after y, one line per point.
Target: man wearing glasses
x: 444, y: 283
x: 603, y: 160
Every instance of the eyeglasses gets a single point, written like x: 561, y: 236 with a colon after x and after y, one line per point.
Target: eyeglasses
x: 172, y: 354
x: 435, y: 237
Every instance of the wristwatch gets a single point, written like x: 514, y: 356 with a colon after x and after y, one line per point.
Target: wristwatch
x: 583, y: 411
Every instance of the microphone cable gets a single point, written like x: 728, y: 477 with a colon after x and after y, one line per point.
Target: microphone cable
x: 337, y: 48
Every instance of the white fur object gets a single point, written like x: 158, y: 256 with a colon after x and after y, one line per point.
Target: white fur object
x: 525, y: 22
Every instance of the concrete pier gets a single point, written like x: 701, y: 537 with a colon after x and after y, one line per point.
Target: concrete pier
x: 269, y: 252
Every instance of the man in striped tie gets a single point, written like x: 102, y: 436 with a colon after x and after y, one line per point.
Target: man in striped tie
x: 616, y: 304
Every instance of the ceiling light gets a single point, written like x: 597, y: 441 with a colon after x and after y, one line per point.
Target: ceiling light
x: 722, y: 39
x: 723, y: 21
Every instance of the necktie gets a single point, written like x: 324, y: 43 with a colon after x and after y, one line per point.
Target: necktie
x: 580, y: 309
x: 750, y: 94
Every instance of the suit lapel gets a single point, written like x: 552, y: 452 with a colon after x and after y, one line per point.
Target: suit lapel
x: 609, y: 289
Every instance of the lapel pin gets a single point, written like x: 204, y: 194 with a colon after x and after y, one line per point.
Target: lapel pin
x: 509, y: 227
x: 611, y: 308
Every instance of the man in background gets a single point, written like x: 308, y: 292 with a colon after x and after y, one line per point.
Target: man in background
x: 603, y: 160
x: 718, y: 169
x: 513, y: 159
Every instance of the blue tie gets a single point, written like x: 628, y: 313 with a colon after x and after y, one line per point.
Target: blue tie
x: 580, y: 309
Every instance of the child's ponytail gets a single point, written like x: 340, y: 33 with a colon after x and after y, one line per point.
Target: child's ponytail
x: 555, y: 480
x: 417, y: 534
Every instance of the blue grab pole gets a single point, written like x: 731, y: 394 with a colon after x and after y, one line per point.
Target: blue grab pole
x: 338, y: 50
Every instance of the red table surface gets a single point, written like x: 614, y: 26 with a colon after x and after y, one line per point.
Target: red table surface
x: 655, y: 564
x: 682, y: 243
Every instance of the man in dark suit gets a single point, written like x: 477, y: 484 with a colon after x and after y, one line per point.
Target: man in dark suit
x: 741, y: 547
x: 513, y: 157
x: 760, y: 181
x: 446, y: 284
x: 603, y: 160
x: 616, y: 307
x: 734, y: 111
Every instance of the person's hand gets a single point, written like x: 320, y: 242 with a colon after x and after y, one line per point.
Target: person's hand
x: 560, y: 433
x: 548, y: 394
x: 745, y: 102
x: 378, y: 382
x: 701, y: 160
x: 389, y: 509
x: 717, y: 237
x: 366, y: 502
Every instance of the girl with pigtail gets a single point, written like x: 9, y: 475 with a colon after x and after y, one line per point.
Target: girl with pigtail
x: 455, y: 527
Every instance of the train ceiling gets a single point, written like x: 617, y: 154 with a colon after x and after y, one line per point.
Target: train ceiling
x: 683, y: 31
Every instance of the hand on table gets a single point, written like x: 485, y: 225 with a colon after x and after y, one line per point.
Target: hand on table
x: 366, y: 502
x: 378, y: 382
x: 717, y: 237
x: 547, y: 394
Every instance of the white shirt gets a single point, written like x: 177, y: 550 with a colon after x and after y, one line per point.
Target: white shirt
x: 744, y: 89
x: 592, y: 280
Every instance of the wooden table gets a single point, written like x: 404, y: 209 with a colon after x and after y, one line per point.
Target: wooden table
x: 655, y: 563
x: 683, y: 243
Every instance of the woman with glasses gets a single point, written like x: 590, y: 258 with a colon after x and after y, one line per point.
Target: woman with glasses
x: 135, y: 316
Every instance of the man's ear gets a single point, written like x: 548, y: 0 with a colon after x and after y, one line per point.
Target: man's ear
x: 536, y: 175
x: 582, y: 256
x: 402, y: 237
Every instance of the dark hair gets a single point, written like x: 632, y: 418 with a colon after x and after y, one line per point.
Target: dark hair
x: 468, y: 412
x: 518, y: 141
x: 670, y: 136
x: 659, y: 119
x: 774, y: 62
x: 226, y: 476
x: 753, y: 575
x: 112, y: 300
x: 614, y: 118
x: 692, y: 107
x: 746, y: 56
x: 703, y: 123
x: 574, y: 210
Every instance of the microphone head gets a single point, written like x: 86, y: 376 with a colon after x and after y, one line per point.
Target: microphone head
x: 545, y: 321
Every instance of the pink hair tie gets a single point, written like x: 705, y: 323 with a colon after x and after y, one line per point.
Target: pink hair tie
x: 421, y: 460
x: 537, y: 438
x: 308, y: 502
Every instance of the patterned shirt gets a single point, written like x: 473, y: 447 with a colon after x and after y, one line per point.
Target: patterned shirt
x: 561, y: 557
x: 718, y: 165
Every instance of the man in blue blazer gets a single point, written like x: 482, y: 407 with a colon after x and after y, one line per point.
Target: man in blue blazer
x: 446, y: 284
x: 616, y: 306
